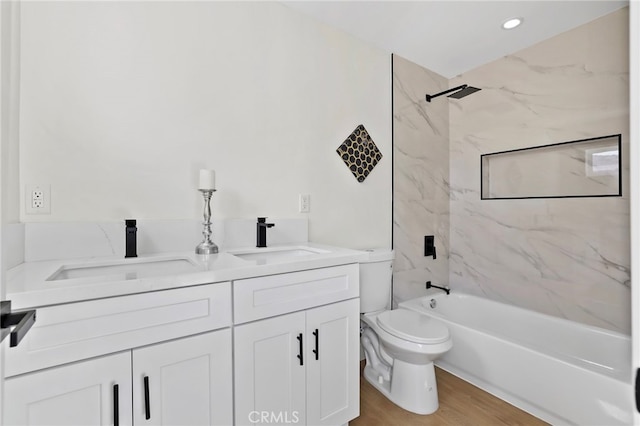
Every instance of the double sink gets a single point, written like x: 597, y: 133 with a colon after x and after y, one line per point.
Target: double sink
x: 136, y: 268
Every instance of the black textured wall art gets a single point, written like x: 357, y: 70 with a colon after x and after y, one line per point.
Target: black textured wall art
x: 359, y: 153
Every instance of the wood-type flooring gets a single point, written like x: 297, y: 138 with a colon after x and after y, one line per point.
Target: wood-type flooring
x: 461, y: 404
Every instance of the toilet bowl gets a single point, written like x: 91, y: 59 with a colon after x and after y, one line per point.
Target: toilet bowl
x: 410, y: 382
x: 399, y: 345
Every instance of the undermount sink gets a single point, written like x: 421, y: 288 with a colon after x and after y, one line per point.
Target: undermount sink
x: 125, y: 269
x: 271, y: 254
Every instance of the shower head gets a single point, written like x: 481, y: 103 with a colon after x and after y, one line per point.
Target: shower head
x: 458, y: 92
x: 463, y: 92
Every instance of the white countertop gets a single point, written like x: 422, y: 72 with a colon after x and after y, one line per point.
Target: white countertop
x: 29, y: 285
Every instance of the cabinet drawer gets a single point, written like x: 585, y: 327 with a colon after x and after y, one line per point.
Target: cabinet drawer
x: 76, y: 331
x: 263, y: 297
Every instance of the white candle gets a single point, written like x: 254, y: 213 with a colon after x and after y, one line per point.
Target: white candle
x: 207, y: 179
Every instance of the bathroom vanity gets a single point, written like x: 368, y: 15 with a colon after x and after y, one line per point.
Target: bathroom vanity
x: 266, y: 336
x: 317, y: 371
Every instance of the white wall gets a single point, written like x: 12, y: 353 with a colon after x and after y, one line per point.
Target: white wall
x: 12, y: 233
x: 122, y: 104
x: 10, y: 56
x: 8, y: 153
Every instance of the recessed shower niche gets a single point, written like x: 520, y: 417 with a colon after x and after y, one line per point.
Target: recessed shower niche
x: 581, y: 168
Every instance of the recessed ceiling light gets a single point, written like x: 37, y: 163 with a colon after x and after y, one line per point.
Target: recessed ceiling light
x: 511, y: 23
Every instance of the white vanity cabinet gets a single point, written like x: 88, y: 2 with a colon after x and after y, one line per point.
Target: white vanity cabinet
x: 333, y: 363
x: 300, y: 367
x: 87, y: 393
x: 278, y: 346
x: 268, y: 375
x: 183, y: 382
x: 76, y: 357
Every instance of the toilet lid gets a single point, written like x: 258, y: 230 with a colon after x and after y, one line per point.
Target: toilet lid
x: 412, y: 326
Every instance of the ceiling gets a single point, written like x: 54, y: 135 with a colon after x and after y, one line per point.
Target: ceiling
x: 451, y: 37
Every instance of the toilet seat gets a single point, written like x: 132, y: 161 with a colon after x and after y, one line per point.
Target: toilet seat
x: 412, y: 326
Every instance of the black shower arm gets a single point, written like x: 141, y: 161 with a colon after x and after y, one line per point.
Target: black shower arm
x: 429, y: 97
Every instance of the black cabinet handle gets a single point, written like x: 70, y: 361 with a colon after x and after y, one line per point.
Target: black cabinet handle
x: 317, y: 349
x: 300, y: 349
x: 147, y: 402
x: 116, y: 406
x: 21, y: 320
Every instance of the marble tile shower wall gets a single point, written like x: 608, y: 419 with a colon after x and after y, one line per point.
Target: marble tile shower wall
x: 71, y: 240
x: 421, y: 179
x: 565, y: 257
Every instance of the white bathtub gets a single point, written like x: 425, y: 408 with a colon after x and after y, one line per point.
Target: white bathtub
x: 558, y: 370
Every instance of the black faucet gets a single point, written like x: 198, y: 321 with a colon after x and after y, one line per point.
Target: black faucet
x: 261, y: 231
x: 130, y: 238
x: 445, y: 289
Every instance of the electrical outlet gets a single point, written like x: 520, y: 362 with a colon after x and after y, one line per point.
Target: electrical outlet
x: 38, y: 199
x: 304, y: 203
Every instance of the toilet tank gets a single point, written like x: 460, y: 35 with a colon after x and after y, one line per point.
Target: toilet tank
x: 375, y: 280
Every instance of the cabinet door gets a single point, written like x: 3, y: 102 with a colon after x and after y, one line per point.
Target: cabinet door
x: 184, y: 382
x: 270, y: 371
x: 80, y: 394
x: 333, y: 370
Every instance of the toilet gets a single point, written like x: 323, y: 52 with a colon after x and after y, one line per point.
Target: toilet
x: 399, y: 345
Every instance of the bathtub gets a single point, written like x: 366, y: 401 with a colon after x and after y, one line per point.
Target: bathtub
x: 560, y: 371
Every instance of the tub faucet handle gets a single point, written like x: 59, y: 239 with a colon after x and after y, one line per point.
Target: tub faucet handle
x: 429, y: 246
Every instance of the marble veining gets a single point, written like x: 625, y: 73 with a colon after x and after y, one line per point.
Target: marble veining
x: 421, y: 179
x: 536, y: 172
x: 13, y: 241
x: 565, y: 257
x: 54, y: 241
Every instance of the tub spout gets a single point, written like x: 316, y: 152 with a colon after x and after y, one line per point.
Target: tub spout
x: 445, y: 289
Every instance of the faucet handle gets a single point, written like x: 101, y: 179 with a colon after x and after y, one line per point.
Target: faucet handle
x: 262, y: 220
